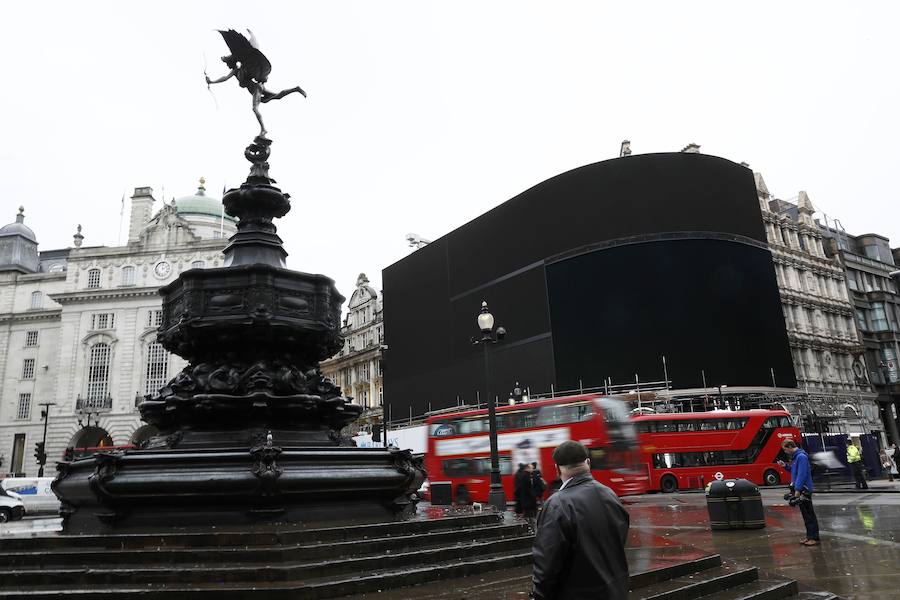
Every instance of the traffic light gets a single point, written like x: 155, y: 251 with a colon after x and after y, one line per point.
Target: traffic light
x: 39, y: 453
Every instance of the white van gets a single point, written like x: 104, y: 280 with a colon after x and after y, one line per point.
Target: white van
x: 11, y: 507
x: 35, y: 493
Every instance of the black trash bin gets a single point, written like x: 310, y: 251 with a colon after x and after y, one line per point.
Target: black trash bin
x: 734, y: 504
x: 441, y: 493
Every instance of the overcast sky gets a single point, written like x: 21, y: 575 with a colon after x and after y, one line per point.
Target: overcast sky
x: 423, y: 115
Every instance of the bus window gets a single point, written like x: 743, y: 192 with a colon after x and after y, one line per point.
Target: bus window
x: 474, y: 467
x: 457, y: 467
x: 564, y: 413
x: 519, y: 419
x: 663, y: 461
x: 472, y: 426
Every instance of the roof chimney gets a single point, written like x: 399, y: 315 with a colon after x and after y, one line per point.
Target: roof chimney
x: 141, y: 211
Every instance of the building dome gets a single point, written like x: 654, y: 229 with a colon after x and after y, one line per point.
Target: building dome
x: 19, y: 227
x: 18, y: 246
x: 201, y: 204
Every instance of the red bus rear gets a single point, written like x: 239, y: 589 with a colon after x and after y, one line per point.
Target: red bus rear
x: 688, y: 450
x: 73, y: 453
x: 459, y: 447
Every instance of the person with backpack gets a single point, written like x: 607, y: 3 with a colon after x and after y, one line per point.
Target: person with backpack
x: 801, y: 490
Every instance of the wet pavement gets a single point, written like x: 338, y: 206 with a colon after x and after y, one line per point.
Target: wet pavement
x: 859, y: 558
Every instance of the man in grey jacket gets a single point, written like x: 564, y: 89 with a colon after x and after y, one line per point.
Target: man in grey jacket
x: 579, y: 547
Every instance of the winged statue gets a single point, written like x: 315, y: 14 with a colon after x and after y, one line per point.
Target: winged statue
x: 251, y: 68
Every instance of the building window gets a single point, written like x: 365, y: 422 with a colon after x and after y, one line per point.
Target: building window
x: 364, y: 398
x: 23, y: 410
x: 198, y: 264
x: 28, y: 368
x: 380, y: 396
x: 98, y: 372
x: 861, y: 320
x: 31, y: 338
x: 157, y: 371
x: 127, y: 276
x: 94, y: 278
x: 103, y: 321
x: 878, y: 317
x: 217, y: 235
x: 37, y: 300
x: 154, y: 318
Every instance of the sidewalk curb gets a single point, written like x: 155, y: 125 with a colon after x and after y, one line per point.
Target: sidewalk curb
x: 855, y: 491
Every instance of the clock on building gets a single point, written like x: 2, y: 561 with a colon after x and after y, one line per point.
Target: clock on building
x: 162, y: 269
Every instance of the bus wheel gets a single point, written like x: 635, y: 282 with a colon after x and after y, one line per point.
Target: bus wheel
x: 771, y: 477
x: 668, y: 484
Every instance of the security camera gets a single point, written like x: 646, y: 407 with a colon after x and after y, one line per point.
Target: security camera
x: 416, y: 241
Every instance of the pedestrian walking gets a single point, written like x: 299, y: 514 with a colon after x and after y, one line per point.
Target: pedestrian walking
x: 886, y: 464
x: 801, y: 490
x: 524, y: 492
x: 854, y: 459
x: 579, y: 546
x: 538, y: 483
x: 517, y: 487
x: 894, y: 455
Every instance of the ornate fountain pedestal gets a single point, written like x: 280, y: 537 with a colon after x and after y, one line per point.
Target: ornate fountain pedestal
x: 249, y: 430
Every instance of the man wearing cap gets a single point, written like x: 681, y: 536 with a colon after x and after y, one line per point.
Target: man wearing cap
x: 579, y: 546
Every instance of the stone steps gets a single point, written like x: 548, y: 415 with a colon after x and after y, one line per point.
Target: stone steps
x: 335, y: 562
x: 697, y: 584
x: 242, y: 555
x: 203, y: 573
x: 294, y: 563
x: 314, y: 589
x: 250, y: 537
x: 711, y: 579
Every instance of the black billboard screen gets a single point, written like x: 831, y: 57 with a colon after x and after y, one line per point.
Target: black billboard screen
x: 595, y: 273
x: 616, y: 312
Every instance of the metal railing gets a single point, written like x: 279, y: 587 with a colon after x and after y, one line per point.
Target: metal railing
x: 93, y: 405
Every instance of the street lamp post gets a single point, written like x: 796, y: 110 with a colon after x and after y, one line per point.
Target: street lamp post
x: 496, y: 496
x: 45, y: 413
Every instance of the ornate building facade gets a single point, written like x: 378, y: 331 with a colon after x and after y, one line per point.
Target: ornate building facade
x: 78, y: 326
x: 828, y: 355
x: 357, y: 368
x: 872, y: 276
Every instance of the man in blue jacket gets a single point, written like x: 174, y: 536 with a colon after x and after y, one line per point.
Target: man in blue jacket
x: 802, y: 489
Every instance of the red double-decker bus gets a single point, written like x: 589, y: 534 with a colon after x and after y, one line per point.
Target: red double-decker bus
x: 688, y: 450
x: 459, y: 447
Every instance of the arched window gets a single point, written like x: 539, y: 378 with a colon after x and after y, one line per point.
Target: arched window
x: 156, y: 372
x: 127, y: 275
x: 37, y: 299
x: 93, y: 278
x: 198, y: 264
x: 98, y: 373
